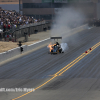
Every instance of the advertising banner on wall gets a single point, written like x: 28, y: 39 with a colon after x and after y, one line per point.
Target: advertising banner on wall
x: 57, y: 1
x: 54, y: 1
x: 85, y: 0
x: 47, y: 1
x: 64, y: 1
x: 60, y: 1
x: 72, y: 1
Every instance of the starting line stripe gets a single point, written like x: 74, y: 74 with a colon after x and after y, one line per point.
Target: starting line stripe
x: 64, y: 69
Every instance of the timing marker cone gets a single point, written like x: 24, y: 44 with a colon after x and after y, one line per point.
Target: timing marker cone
x: 86, y: 52
x: 90, y: 49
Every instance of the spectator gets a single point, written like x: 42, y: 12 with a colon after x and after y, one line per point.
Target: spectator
x: 12, y: 19
x: 5, y: 36
x: 10, y: 37
x: 8, y: 26
x: 4, y: 27
x: 0, y: 36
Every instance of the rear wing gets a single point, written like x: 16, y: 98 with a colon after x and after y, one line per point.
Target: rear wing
x: 56, y: 38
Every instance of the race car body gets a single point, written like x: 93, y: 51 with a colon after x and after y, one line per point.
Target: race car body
x: 55, y: 48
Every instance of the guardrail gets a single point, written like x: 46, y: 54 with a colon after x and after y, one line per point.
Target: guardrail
x: 32, y: 24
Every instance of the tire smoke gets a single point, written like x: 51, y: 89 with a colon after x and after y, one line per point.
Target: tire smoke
x: 64, y: 47
x: 65, y: 20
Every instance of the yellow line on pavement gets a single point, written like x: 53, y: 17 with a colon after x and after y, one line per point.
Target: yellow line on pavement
x: 64, y: 69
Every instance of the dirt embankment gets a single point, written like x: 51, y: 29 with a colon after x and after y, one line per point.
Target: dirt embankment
x: 5, y: 46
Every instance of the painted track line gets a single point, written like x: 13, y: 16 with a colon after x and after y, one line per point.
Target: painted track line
x: 64, y: 69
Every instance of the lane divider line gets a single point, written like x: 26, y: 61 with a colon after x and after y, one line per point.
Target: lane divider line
x: 64, y: 69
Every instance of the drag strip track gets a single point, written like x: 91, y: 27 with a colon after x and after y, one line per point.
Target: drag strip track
x: 33, y: 69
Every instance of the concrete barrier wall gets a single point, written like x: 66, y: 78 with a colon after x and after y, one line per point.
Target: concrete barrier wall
x: 38, y: 44
x: 16, y: 51
x: 9, y: 54
x: 32, y: 29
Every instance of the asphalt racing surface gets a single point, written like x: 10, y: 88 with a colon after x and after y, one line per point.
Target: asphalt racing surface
x: 79, y: 81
